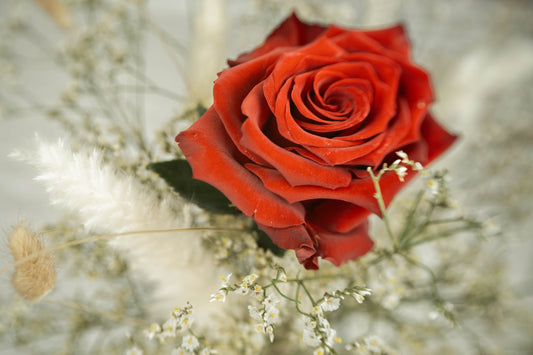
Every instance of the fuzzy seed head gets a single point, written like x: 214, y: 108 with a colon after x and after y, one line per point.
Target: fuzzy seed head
x: 36, y: 276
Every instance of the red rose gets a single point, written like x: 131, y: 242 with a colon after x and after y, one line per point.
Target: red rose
x: 296, y: 122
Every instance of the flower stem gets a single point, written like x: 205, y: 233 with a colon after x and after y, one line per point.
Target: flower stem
x: 381, y: 203
x: 282, y: 294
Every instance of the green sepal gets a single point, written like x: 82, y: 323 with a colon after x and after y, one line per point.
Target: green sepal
x: 178, y: 174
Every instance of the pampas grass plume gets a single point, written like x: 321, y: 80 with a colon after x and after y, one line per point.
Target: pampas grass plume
x: 34, y: 276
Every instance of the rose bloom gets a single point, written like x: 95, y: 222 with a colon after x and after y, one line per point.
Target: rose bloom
x: 296, y: 122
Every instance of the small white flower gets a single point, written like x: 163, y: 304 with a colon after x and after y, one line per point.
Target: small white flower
x: 401, y: 171
x: 134, y: 351
x: 402, y: 155
x: 330, y: 304
x: 270, y: 301
x: 259, y: 296
x: 323, y: 325
x: 260, y: 328
x: 310, y: 338
x: 365, y: 292
x: 309, y: 323
x: 319, y: 351
x: 283, y: 277
x: 255, y: 313
x: 271, y: 315
x: 418, y: 166
x: 218, y: 296
x: 186, y: 322
x: 330, y: 336
x: 374, y: 343
x: 176, y: 312
x: 189, y: 342
x: 433, y: 186
x: 270, y: 331
x: 361, y: 349
x: 250, y: 279
x: 153, y: 330
x: 225, y: 280
x: 317, y: 310
x: 358, y: 297
x: 243, y: 290
x: 169, y: 328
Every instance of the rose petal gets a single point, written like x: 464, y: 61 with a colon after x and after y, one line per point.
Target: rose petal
x: 391, y: 141
x: 296, y: 238
x: 215, y: 160
x: 296, y: 169
x: 339, y: 216
x: 436, y: 137
x: 393, y: 38
x: 291, y: 32
x: 383, y: 108
x: 360, y: 191
x: 339, y: 248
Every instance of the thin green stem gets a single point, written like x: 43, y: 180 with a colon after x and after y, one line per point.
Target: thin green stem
x: 300, y: 282
x: 441, y: 235
x: 284, y: 295
x: 410, y: 217
x: 381, y: 203
x: 447, y: 220
x: 298, y: 304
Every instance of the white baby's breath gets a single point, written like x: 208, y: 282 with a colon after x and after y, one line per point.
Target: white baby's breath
x: 330, y: 304
x: 310, y: 337
x: 255, y: 313
x: 190, y: 343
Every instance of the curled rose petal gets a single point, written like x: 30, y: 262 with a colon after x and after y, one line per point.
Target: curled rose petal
x: 297, y: 121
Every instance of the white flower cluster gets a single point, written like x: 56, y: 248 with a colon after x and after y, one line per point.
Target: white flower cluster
x: 220, y: 295
x: 266, y: 316
x: 317, y: 331
x: 179, y: 322
x: 401, y: 170
x: 248, y: 284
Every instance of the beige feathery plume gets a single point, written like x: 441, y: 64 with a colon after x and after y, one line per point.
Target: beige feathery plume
x: 34, y: 276
x: 58, y: 12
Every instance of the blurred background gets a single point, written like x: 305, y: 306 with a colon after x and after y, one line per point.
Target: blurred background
x: 479, y: 54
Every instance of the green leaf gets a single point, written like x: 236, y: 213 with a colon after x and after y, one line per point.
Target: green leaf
x: 264, y: 242
x: 178, y: 174
x: 200, y: 110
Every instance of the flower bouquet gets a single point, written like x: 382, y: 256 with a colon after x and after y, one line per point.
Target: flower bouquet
x: 265, y: 215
